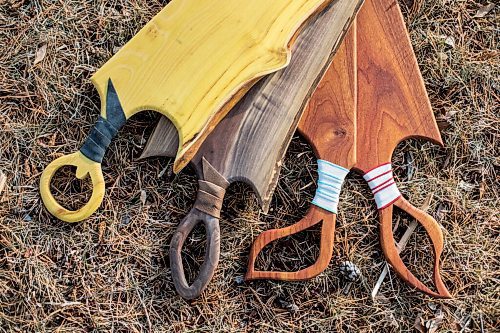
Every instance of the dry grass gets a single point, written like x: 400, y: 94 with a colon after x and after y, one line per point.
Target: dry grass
x: 111, y: 272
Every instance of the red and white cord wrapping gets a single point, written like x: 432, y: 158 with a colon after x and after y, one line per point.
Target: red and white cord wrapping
x: 383, y: 186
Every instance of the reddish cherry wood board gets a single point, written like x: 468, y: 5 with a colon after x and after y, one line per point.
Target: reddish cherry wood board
x: 329, y: 125
x: 392, y: 105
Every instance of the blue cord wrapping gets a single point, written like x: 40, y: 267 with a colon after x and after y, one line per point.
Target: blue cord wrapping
x: 331, y: 178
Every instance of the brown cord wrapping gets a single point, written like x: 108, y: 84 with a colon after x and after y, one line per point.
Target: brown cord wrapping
x: 210, y: 194
x: 209, y: 199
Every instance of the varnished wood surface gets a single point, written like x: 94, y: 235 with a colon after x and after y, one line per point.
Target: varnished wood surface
x: 195, y: 56
x: 212, y: 253
x: 329, y: 125
x: 192, y: 62
x: 392, y: 100
x: 249, y: 144
x: 314, y: 216
x: 84, y: 168
x: 329, y: 122
x: 392, y: 105
x: 435, y: 234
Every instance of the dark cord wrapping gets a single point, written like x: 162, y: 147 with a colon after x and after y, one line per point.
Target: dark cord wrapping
x: 99, y: 140
x: 209, y: 199
x: 105, y: 130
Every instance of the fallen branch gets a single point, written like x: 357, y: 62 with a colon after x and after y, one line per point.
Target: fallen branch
x: 3, y: 181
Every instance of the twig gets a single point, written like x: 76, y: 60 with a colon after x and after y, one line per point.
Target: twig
x: 3, y: 181
x: 401, y: 245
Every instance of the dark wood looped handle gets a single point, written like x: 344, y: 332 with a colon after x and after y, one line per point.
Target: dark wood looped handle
x: 314, y: 216
x: 212, y: 253
x: 392, y: 254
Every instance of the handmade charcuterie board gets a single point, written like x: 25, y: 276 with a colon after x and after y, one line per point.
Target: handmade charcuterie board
x: 390, y: 105
x: 329, y: 125
x: 192, y: 62
x: 249, y: 144
x: 393, y: 105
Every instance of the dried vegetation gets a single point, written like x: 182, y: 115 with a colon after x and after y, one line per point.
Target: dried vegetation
x: 111, y: 272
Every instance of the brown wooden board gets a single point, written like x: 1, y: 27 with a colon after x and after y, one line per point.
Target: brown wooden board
x: 392, y: 105
x: 329, y: 125
x: 249, y: 144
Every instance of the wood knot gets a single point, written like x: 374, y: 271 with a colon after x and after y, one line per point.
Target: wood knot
x: 340, y: 132
x: 153, y: 31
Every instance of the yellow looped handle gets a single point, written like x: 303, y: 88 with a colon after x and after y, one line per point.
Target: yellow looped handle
x: 84, y: 167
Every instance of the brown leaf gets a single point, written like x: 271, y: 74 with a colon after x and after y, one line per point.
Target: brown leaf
x: 102, y: 229
x: 419, y: 323
x: 484, y: 10
x: 482, y: 188
x: 40, y: 54
x: 52, y: 141
x: 433, y: 324
x: 27, y: 168
x: 443, y: 124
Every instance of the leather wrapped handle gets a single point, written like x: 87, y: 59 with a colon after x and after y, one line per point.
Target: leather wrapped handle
x: 212, y: 253
x: 391, y: 252
x: 314, y: 216
x: 206, y: 210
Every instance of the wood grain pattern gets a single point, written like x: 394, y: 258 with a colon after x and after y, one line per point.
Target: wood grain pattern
x: 392, y: 105
x: 194, y: 56
x: 314, y: 216
x: 329, y: 125
x: 192, y: 62
x: 84, y: 168
x: 249, y: 144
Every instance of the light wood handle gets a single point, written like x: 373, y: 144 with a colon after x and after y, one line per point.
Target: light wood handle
x: 85, y: 167
x: 391, y: 252
x: 212, y: 253
x: 314, y: 216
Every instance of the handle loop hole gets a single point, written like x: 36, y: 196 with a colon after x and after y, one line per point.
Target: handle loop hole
x: 71, y: 193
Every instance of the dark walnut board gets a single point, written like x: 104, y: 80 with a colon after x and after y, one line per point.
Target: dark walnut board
x: 249, y: 143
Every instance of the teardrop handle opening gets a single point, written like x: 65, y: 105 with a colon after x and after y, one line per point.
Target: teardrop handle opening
x: 314, y: 216
x: 391, y: 253
x: 212, y: 253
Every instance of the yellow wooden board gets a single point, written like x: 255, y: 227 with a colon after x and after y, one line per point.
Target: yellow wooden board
x: 192, y: 62
x: 195, y: 56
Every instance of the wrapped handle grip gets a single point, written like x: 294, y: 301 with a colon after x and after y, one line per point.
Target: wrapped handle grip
x: 88, y: 161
